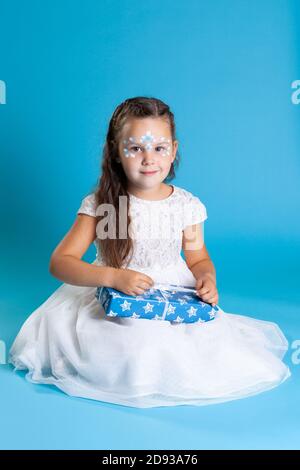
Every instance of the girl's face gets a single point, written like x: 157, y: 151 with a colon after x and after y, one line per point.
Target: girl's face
x: 146, y: 151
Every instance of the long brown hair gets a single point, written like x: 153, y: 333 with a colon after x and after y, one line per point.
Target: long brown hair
x: 113, y: 181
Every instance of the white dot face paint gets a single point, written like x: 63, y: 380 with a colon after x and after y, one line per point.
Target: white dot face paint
x: 148, y: 141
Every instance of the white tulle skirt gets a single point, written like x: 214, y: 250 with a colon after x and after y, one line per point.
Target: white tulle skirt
x: 68, y: 341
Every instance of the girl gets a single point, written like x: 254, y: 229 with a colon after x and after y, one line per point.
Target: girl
x: 68, y: 341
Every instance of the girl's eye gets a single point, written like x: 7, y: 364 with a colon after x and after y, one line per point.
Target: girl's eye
x: 136, y: 148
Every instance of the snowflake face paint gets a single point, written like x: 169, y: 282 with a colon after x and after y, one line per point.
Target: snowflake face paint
x: 147, y: 141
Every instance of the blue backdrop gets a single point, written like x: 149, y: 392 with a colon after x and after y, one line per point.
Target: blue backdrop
x: 226, y: 68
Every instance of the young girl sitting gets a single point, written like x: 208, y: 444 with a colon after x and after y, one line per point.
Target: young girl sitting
x: 70, y: 342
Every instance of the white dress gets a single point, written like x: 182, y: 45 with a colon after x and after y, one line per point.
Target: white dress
x: 68, y: 340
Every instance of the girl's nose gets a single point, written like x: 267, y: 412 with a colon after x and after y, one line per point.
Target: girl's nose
x: 148, y: 156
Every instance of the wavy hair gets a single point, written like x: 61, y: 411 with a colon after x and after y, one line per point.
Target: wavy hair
x: 113, y: 181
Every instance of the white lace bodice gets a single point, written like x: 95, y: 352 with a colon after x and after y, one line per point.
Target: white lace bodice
x: 156, y: 227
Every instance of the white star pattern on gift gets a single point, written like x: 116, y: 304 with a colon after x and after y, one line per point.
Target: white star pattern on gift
x: 192, y: 311
x: 148, y: 307
x: 115, y: 294
x: 167, y: 294
x: 157, y: 317
x: 211, y: 314
x: 125, y: 306
x: 171, y: 309
x: 112, y: 314
x: 178, y: 320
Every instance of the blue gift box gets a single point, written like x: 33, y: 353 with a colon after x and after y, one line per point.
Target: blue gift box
x: 169, y: 302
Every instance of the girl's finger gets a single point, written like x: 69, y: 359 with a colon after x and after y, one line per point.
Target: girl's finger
x: 204, y: 291
x: 213, y: 301
x: 208, y: 285
x: 210, y: 298
x: 208, y: 292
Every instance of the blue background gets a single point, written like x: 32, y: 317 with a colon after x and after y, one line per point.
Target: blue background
x: 226, y: 69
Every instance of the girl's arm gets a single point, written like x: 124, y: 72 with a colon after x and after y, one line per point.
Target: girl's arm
x: 195, y: 252
x: 199, y: 262
x: 66, y: 264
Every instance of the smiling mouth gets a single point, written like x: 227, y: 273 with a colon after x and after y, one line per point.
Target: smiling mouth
x: 149, y: 172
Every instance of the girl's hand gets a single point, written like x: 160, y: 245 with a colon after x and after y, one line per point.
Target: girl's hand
x: 131, y: 282
x: 207, y: 290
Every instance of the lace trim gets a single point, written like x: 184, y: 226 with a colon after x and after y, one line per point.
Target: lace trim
x: 157, y: 226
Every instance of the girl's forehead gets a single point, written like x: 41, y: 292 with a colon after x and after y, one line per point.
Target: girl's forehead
x: 139, y: 127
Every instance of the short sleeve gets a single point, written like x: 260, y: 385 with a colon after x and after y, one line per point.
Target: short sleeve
x: 88, y: 205
x: 194, y: 212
